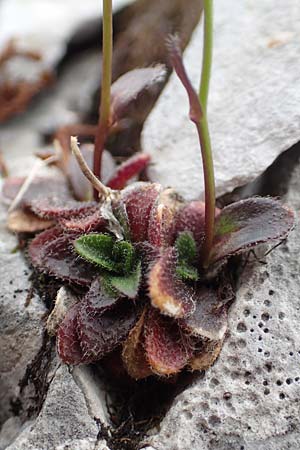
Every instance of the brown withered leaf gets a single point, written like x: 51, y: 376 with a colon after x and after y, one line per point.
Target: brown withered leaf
x: 207, y: 355
x: 133, y: 353
x: 24, y: 221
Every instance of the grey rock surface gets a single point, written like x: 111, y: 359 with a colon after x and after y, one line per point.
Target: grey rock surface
x: 64, y: 421
x: 250, y: 398
x: 21, y: 327
x: 254, y: 103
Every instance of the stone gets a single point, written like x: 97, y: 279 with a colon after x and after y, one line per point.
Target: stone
x: 64, y: 421
x: 249, y: 399
x: 254, y: 101
x: 21, y: 328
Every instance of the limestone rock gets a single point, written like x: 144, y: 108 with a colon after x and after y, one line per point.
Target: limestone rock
x: 249, y: 399
x: 254, y: 103
x: 21, y: 325
x: 64, y: 421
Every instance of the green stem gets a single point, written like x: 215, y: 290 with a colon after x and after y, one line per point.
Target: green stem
x: 207, y: 54
x: 203, y: 132
x: 104, y: 110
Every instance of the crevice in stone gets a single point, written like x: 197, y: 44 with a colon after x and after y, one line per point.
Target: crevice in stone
x: 274, y: 181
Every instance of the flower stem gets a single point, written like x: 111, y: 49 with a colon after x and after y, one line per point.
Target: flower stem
x: 104, y: 110
x: 203, y: 132
x: 207, y: 54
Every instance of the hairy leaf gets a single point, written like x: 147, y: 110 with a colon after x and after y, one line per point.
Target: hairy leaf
x: 127, y: 284
x: 191, y: 217
x: 106, y: 252
x: 167, y: 348
x: 100, y: 333
x: 167, y: 291
x: 130, y: 168
x: 139, y: 199
x: 84, y: 223
x: 209, y: 319
x: 248, y: 223
x: 161, y: 231
x: 186, y: 256
x: 52, y: 252
x: 56, y: 207
x: 68, y: 346
x: 97, y: 299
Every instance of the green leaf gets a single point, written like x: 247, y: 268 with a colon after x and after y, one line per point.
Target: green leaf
x: 98, y: 249
x: 245, y: 224
x: 186, y: 247
x: 124, y: 253
x: 186, y: 256
x: 187, y: 272
x: 127, y: 284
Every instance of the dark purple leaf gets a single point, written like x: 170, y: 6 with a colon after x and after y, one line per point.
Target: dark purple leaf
x: 134, y: 88
x: 97, y: 300
x: 100, y: 333
x: 56, y: 207
x: 84, y: 223
x: 52, y: 252
x: 139, y: 199
x: 68, y: 345
x: 191, y: 217
x: 248, y: 223
x: 209, y: 319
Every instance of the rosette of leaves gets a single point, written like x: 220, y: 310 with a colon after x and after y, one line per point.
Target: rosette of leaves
x: 153, y: 267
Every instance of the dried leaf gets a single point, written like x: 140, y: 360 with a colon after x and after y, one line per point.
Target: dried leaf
x: 84, y: 223
x: 133, y: 354
x: 206, y: 356
x: 167, y: 291
x: 24, y: 221
x: 167, y: 348
x: 248, y: 223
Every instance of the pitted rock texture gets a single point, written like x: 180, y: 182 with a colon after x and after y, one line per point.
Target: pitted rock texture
x: 250, y: 398
x: 64, y: 421
x: 254, y: 101
x: 21, y: 326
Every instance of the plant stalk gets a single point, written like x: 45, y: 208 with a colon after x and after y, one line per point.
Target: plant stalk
x: 203, y: 132
x: 207, y: 54
x: 104, y: 109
